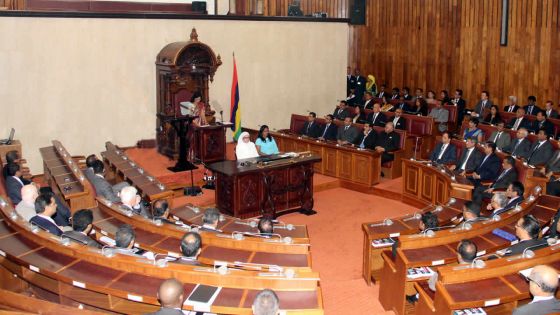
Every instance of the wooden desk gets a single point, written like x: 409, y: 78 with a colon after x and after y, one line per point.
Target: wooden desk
x: 124, y: 169
x: 428, y: 184
x: 65, y: 177
x: 255, y: 188
x: 5, y: 148
x: 349, y: 164
x: 209, y: 142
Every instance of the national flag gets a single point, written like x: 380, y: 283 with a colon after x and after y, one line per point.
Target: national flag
x: 235, y: 106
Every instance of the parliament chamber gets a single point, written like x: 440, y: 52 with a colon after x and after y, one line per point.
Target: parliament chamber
x: 206, y: 157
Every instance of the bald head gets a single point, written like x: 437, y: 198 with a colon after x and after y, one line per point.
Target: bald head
x: 171, y: 293
x: 544, y: 281
x: 29, y: 193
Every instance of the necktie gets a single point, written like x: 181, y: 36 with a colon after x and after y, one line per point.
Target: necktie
x: 325, y: 131
x: 530, y: 110
x: 510, y: 109
x: 308, y: 126
x: 500, y: 177
x: 443, y: 147
x: 517, y: 123
x: 374, y: 118
x: 515, y: 147
x: 363, y: 140
x: 482, y: 107
x: 486, y: 157
x: 466, y: 159
x: 534, y: 150
x: 497, y: 137
x: 345, y: 128
x: 395, y: 121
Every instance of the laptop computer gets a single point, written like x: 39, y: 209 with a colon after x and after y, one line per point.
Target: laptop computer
x: 10, y: 138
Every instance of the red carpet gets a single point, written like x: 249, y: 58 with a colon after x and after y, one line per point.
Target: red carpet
x: 335, y: 232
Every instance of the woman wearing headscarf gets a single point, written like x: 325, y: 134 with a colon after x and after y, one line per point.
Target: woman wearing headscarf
x: 370, y: 85
x: 245, y: 148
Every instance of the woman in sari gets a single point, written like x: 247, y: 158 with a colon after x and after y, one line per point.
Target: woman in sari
x: 473, y: 131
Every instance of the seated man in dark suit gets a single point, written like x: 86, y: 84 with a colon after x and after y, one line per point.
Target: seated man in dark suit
x: 500, y: 137
x: 12, y: 157
x: 366, y: 140
x: 550, y: 170
x: 191, y: 244
x: 101, y: 185
x: 387, y: 142
x: 45, y: 206
x: 541, y: 151
x: 401, y: 105
x: 466, y: 253
x: 347, y: 133
x: 519, y: 121
x: 14, y: 183
x: 88, y: 171
x: 368, y: 101
x: 124, y: 241
x: 341, y: 111
x: 531, y: 108
x: 63, y: 214
x: 171, y: 295
x: 489, y: 166
x: 542, y: 123
x: 444, y: 152
x: 515, y: 192
x: 543, y: 282
x: 160, y: 211
x: 527, y: 230
x: 82, y: 221
x: 511, y: 106
x: 470, y: 159
x: 506, y: 177
x: 498, y: 204
x: 311, y: 128
x: 377, y: 118
x: 549, y: 110
x: 131, y: 201
x: 210, y: 220
x: 398, y: 121
x: 329, y: 130
x: 521, y: 146
x: 471, y: 212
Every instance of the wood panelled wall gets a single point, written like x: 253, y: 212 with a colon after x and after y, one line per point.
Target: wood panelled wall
x: 449, y: 44
x: 333, y: 8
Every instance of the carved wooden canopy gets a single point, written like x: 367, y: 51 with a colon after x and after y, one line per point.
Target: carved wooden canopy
x: 193, y: 55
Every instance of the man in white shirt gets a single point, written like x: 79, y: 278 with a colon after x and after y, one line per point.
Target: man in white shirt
x: 45, y: 206
x: 26, y: 208
x: 543, y: 282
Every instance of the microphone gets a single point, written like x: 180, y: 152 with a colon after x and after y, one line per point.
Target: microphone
x: 478, y: 263
x: 415, y: 216
x: 107, y: 251
x: 161, y: 263
x: 451, y: 201
x: 194, y: 209
x: 465, y: 226
x: 157, y: 222
x: 527, y: 253
x: 386, y: 222
x: 254, y: 266
x: 289, y: 227
x: 494, y: 218
x: 437, y: 209
x: 251, y: 223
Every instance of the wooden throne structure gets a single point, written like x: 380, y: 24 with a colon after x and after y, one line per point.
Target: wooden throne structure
x: 182, y: 68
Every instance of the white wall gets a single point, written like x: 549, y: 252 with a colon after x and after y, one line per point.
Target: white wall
x: 86, y: 81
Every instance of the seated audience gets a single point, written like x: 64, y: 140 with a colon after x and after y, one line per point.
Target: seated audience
x: 549, y: 110
x: 500, y: 137
x: 429, y: 221
x: 63, y: 214
x: 541, y: 151
x: 132, y: 201
x: 527, y: 231
x: 395, y: 93
x: 14, y: 183
x: 460, y: 103
x: 88, y: 171
x: 511, y: 107
x: 329, y: 130
x: 440, y: 116
x: 45, y: 207
x: 431, y: 97
x: 489, y: 167
x: 402, y: 104
x: 519, y: 121
x: 521, y: 146
x: 483, y: 104
x: 382, y: 92
x: 470, y: 159
x: 387, y: 142
x: 366, y: 140
x: 542, y: 123
x: 444, y: 152
x: 101, y: 185
x: 493, y: 116
x: 191, y: 246
x: 406, y: 93
x: 506, y: 177
x: 418, y: 94
x: 266, y: 303
x: 385, y: 105
x: 551, y: 170
x: 12, y: 157
x: 26, y: 208
x: 466, y: 253
x: 471, y: 212
x: 473, y: 131
x: 245, y: 149
x: 371, y: 87
x: 359, y: 116
x: 160, y: 211
x: 515, y: 193
x: 420, y: 107
x: 171, y: 296
x: 352, y: 98
x: 82, y: 221
x: 444, y: 98
x: 543, y: 282
x: 377, y: 118
x: 341, y: 111
x: 398, y: 121
x: 311, y: 128
x: 531, y: 108
x: 265, y: 226
x: 347, y: 133
x: 265, y: 143
x: 210, y: 220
